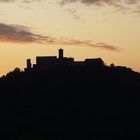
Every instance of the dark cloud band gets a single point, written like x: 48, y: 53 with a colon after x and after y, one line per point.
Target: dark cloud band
x: 23, y: 34
x: 94, y: 2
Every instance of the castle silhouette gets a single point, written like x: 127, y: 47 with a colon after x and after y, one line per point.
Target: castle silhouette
x: 48, y: 62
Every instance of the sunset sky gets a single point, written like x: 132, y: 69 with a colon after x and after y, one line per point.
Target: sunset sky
x: 109, y: 29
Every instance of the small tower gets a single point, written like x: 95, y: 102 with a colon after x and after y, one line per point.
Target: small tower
x: 60, y: 54
x: 29, y: 65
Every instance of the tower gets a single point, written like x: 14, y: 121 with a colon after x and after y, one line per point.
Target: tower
x: 60, y: 54
x: 29, y: 64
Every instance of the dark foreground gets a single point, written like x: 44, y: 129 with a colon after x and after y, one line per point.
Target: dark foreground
x: 70, y: 104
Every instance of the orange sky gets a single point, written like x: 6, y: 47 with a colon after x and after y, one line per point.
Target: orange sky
x: 84, y: 28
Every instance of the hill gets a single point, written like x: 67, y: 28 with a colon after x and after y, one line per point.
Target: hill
x: 78, y: 102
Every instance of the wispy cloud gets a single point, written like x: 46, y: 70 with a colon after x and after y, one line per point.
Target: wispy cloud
x: 24, y: 1
x: 121, y: 5
x: 130, y: 6
x: 7, y: 0
x: 17, y: 33
x: 23, y: 34
x: 102, y: 2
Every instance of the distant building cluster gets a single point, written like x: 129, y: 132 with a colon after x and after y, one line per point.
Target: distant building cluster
x: 46, y: 62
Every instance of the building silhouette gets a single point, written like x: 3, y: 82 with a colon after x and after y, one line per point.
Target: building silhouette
x: 60, y: 54
x: 29, y: 65
x: 47, y: 62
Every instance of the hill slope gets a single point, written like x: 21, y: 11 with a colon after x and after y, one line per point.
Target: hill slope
x: 71, y: 103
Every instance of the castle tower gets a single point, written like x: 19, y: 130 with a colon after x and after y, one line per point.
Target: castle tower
x: 29, y: 65
x: 60, y: 54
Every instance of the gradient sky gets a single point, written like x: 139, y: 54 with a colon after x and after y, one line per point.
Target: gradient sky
x: 109, y: 29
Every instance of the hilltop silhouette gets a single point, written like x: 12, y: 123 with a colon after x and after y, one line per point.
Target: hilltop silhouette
x: 59, y: 98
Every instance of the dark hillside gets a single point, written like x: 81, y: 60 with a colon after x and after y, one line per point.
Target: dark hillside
x: 77, y: 102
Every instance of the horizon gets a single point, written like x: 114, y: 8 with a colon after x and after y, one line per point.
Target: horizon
x: 34, y: 62
x: 84, y: 29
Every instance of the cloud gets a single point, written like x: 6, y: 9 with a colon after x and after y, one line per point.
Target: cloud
x: 101, y: 2
x: 122, y: 5
x: 7, y: 0
x: 24, y: 1
x: 23, y: 34
x: 86, y: 43
x: 17, y: 33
